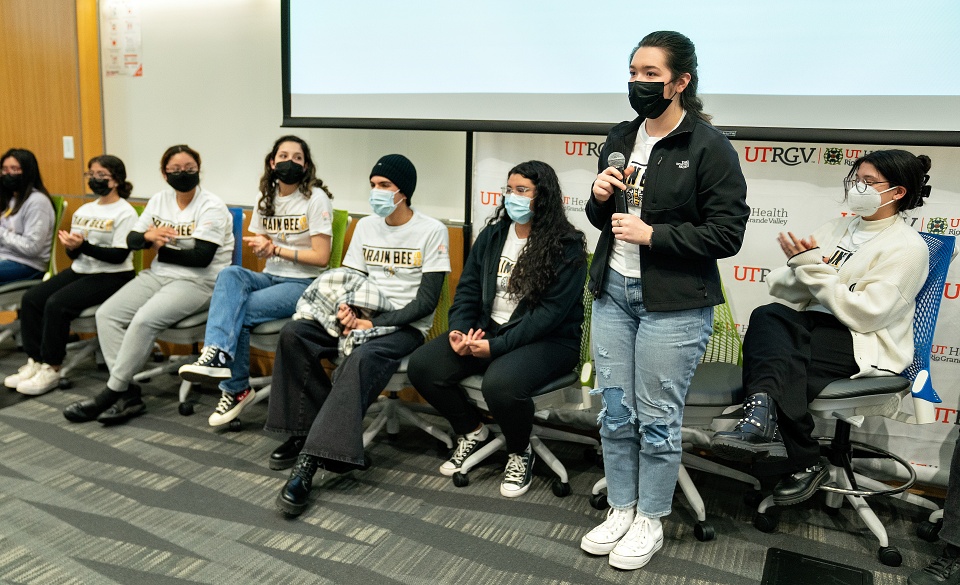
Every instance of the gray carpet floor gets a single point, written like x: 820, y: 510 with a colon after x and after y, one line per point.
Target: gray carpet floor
x: 166, y: 499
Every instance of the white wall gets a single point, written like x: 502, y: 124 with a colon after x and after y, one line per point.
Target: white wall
x: 211, y: 79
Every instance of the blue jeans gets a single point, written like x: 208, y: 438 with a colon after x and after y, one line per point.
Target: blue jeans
x: 644, y: 363
x: 243, y: 299
x: 11, y: 271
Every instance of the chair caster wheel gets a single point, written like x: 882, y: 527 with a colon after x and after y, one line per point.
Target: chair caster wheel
x: 560, y: 489
x: 392, y: 437
x: 235, y: 426
x: 930, y: 531
x: 753, y: 498
x: 598, y: 501
x: 765, y: 522
x: 889, y: 556
x: 185, y: 409
x: 65, y: 384
x: 461, y: 479
x: 704, y: 531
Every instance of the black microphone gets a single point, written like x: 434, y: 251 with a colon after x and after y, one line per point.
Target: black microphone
x: 619, y: 162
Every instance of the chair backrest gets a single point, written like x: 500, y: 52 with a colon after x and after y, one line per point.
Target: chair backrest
x: 237, y: 214
x: 341, y: 219
x: 585, y: 339
x: 725, y: 344
x: 59, y: 207
x: 928, y: 307
x: 138, y: 254
x: 441, y: 317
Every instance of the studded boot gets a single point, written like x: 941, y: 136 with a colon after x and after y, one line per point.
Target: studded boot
x: 756, y: 435
x: 294, y: 497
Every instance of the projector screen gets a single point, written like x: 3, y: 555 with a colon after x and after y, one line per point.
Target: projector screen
x: 885, y: 66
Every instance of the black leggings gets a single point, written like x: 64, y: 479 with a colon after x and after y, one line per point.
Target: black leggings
x: 792, y: 356
x: 48, y: 308
x: 508, y: 383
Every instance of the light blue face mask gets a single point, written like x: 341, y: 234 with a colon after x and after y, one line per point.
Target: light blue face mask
x: 518, y: 207
x: 381, y: 201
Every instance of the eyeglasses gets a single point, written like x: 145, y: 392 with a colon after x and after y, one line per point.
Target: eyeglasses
x: 98, y: 176
x: 861, y: 186
x: 188, y: 170
x: 521, y: 191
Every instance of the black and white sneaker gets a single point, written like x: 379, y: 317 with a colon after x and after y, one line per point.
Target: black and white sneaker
x: 230, y: 407
x: 518, y: 474
x: 467, y: 445
x: 210, y: 368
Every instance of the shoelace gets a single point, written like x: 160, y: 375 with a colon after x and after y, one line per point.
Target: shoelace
x: 208, y: 354
x: 516, y: 468
x: 464, y: 446
x: 226, y: 401
x: 305, y: 468
x: 943, y: 567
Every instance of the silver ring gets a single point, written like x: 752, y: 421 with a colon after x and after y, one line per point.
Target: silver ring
x: 619, y: 224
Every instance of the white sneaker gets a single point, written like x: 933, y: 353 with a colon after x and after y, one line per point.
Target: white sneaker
x: 637, y: 547
x: 28, y: 370
x: 45, y: 380
x: 602, y: 539
x: 467, y: 445
x: 230, y: 407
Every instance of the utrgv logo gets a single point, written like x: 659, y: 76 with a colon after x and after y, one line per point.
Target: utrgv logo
x: 577, y: 148
x: 789, y: 156
x: 750, y: 273
x: 832, y: 156
x: 937, y: 225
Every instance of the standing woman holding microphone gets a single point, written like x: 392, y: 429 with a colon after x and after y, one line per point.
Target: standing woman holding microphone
x: 678, y: 206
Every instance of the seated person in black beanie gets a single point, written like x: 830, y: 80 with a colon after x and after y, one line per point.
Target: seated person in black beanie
x: 404, y: 255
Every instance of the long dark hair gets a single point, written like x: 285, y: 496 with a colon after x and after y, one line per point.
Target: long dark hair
x: 269, y: 185
x: 902, y: 169
x: 536, y: 268
x: 117, y: 170
x: 681, y: 58
x: 31, y: 180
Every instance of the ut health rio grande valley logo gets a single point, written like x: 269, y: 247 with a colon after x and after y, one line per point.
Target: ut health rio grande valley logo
x: 937, y: 225
x: 832, y: 156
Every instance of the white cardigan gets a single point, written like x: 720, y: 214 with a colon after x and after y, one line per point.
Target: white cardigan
x: 874, y: 292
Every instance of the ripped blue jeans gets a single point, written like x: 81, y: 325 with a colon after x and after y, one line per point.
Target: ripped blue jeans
x: 644, y: 363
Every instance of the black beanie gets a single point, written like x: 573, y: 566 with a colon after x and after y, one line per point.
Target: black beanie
x: 399, y: 170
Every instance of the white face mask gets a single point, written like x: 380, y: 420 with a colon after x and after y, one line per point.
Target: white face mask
x: 866, y: 203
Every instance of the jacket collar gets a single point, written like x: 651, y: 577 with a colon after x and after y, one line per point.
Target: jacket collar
x: 686, y: 126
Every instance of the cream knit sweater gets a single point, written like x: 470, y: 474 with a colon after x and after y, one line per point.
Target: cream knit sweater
x: 873, y: 293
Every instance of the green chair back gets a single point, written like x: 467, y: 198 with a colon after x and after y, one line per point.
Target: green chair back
x: 724, y: 345
x: 441, y: 317
x: 341, y: 220
x: 59, y: 206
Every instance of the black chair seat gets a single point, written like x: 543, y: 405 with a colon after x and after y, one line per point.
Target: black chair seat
x: 860, y: 387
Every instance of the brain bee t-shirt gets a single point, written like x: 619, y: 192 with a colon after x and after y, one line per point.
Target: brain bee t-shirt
x: 295, y: 219
x: 106, y: 226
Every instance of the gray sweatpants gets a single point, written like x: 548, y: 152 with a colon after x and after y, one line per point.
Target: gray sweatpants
x: 128, y: 322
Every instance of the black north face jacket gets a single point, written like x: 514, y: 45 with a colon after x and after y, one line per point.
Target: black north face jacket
x: 694, y: 198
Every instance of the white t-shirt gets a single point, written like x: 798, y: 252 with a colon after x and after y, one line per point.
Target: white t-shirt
x: 395, y: 257
x: 206, y: 218
x: 106, y: 226
x: 503, y: 304
x: 625, y: 257
x: 295, y: 219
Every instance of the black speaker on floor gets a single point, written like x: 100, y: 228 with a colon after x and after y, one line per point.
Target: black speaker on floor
x: 784, y: 567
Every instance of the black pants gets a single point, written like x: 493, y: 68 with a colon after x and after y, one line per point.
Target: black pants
x: 792, y: 356
x: 304, y: 402
x: 48, y: 308
x: 508, y: 384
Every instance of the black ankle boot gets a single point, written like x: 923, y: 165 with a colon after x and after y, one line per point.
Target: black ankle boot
x: 293, y: 498
x: 801, y: 485
x: 756, y: 435
x: 284, y: 456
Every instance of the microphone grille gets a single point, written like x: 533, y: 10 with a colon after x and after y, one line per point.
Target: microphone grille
x: 617, y: 160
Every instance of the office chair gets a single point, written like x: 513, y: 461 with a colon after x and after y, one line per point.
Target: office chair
x: 190, y: 330
x: 851, y: 400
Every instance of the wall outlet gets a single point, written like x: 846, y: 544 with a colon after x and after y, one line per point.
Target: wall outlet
x: 68, y: 147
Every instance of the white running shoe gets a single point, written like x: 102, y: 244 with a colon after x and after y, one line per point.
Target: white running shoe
x: 45, y: 380
x: 26, y: 371
x: 602, y: 539
x: 637, y: 547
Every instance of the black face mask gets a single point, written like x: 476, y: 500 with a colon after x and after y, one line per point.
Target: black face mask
x: 289, y: 172
x: 12, y: 182
x: 646, y: 98
x: 100, y: 187
x: 182, y: 181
